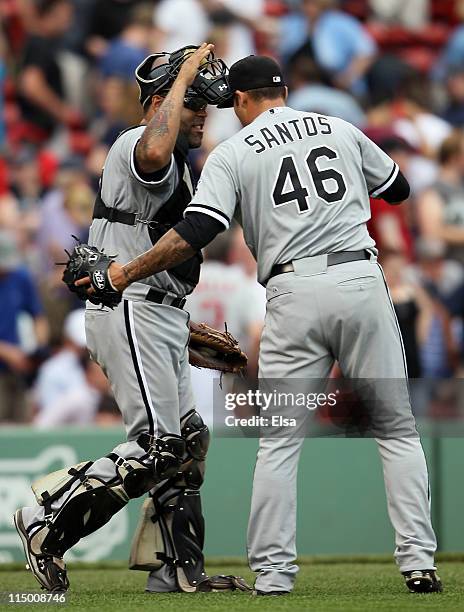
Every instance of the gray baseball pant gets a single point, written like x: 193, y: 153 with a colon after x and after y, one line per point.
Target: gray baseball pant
x: 142, y: 348
x: 315, y: 315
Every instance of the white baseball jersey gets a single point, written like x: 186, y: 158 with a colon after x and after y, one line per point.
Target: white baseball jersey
x: 299, y: 183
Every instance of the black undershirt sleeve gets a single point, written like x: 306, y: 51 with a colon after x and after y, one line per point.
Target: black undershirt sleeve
x: 398, y: 191
x: 198, y: 229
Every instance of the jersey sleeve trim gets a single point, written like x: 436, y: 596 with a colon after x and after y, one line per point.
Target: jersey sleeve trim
x: 165, y: 175
x: 376, y: 191
x: 209, y: 210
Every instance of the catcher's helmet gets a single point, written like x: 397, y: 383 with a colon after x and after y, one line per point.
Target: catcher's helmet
x: 157, y: 73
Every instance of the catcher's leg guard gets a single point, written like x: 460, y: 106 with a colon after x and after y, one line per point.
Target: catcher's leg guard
x: 171, y: 526
x: 89, y: 504
x: 86, y: 502
x: 162, y: 460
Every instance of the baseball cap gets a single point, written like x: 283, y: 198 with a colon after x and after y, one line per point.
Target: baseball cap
x: 252, y: 72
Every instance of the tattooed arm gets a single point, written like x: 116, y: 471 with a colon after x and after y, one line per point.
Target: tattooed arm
x: 169, y: 251
x: 188, y: 237
x: 155, y: 147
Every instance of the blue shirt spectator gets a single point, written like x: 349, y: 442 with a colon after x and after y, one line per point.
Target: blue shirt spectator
x: 126, y: 51
x: 121, y: 59
x: 452, y: 56
x: 352, y: 42
x: 17, y: 294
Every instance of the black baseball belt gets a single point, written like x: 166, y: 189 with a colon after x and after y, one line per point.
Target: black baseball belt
x: 161, y: 297
x: 333, y: 259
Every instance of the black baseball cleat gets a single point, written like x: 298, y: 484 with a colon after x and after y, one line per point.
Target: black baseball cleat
x: 269, y: 593
x: 423, y: 581
x: 49, y: 571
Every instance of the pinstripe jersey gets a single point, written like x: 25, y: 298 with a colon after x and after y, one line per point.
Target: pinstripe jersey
x: 299, y: 183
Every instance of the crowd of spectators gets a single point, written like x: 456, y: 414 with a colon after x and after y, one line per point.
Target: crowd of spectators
x: 393, y: 68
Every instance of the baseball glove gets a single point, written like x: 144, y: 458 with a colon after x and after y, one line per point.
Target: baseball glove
x: 210, y: 348
x: 88, y: 261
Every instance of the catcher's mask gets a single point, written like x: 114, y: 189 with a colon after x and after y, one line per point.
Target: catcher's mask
x: 156, y: 74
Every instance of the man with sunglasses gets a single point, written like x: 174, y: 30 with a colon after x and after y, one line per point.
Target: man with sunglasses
x: 142, y: 347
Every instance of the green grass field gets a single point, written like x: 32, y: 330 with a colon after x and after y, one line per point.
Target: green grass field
x: 348, y: 587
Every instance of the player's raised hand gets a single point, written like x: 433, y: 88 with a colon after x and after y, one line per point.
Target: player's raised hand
x: 189, y: 68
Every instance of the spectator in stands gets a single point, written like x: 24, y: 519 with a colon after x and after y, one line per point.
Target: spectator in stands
x: 413, y: 308
x: 445, y: 279
x: 63, y: 372
x: 311, y: 92
x: 417, y: 123
x: 239, y: 253
x: 108, y: 413
x: 440, y: 209
x: 454, y: 109
x: 315, y: 28
x: 118, y: 103
x: 412, y: 14
x: 80, y: 403
x: 390, y: 225
x: 452, y: 56
x: 17, y: 295
x: 66, y: 211
x: 125, y: 52
x: 25, y: 180
x: 107, y: 20
x: 184, y: 22
x: 439, y: 278
x: 180, y: 23
x: 2, y: 102
x: 226, y: 295
x: 42, y: 98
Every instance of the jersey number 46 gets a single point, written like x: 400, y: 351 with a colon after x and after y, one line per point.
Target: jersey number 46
x: 289, y: 187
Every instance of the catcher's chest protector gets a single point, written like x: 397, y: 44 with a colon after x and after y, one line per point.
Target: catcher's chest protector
x: 170, y: 213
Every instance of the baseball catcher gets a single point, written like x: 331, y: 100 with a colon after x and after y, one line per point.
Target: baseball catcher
x: 140, y: 338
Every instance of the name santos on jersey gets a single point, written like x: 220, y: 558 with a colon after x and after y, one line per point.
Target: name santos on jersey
x: 288, y: 131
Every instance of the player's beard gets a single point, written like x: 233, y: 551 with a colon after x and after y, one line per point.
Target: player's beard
x: 195, y: 137
x: 190, y: 128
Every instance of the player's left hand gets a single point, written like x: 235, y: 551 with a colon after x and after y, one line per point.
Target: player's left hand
x: 116, y: 277
x: 87, y: 274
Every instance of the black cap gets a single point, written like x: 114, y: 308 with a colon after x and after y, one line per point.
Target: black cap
x: 252, y: 72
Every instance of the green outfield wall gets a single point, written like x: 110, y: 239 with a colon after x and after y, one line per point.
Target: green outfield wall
x: 341, y: 504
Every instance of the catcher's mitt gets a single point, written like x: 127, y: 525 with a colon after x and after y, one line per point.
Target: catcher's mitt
x: 216, y: 350
x: 220, y: 582
x: 88, y: 261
